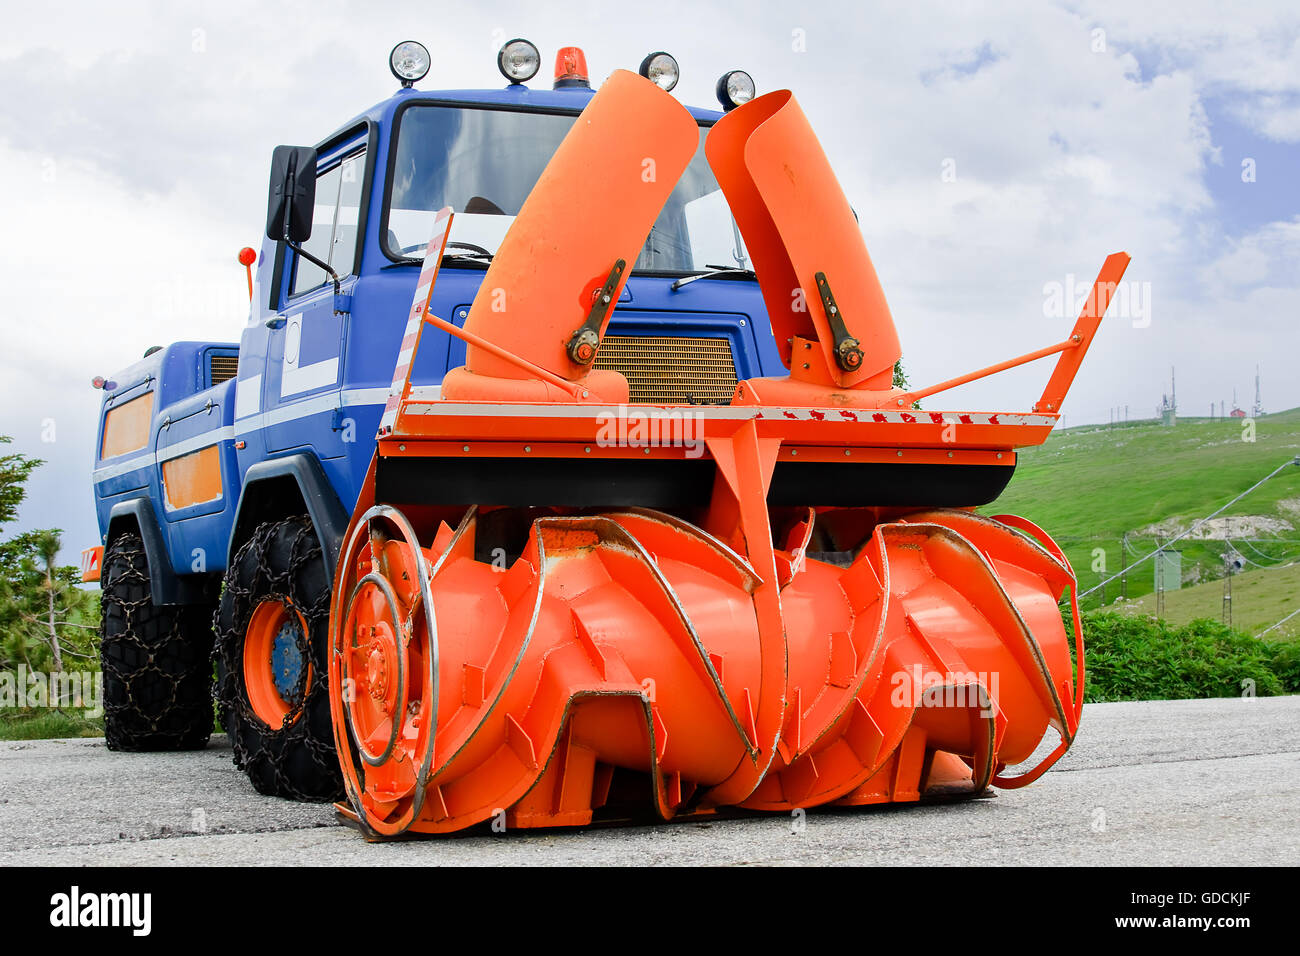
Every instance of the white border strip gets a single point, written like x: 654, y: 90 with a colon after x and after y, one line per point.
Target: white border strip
x: 195, y: 443
x: 425, y: 400
x: 278, y: 416
x: 311, y: 406
x: 123, y: 467
x: 867, y: 416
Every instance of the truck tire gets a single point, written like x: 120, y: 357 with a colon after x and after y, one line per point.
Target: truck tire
x: 156, y: 659
x: 272, y: 627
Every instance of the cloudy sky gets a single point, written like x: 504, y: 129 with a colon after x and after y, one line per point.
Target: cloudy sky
x: 995, y: 157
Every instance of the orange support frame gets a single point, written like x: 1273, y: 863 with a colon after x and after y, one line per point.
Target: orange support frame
x: 1073, y: 349
x: 1085, y: 329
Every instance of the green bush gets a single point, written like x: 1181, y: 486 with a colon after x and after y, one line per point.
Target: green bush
x: 1286, y: 664
x: 1145, y: 658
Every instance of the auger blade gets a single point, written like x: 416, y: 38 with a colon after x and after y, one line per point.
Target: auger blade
x: 629, y: 642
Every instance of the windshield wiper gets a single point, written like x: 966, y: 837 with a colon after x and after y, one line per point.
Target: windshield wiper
x: 472, y: 256
x: 713, y: 271
x: 446, y: 256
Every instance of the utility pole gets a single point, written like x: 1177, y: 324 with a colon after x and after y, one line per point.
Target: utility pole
x: 1160, y: 580
x: 1123, y: 564
x: 1230, y: 561
x: 1227, y: 597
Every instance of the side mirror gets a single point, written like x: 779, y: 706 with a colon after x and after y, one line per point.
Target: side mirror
x: 292, y: 197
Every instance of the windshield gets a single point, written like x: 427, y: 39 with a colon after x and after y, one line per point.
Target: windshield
x: 484, y: 162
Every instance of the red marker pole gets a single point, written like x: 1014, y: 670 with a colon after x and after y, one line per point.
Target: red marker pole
x: 246, y: 259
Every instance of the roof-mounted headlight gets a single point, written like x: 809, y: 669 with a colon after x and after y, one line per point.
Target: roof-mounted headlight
x: 519, y: 61
x: 735, y: 89
x: 409, y: 62
x: 661, y: 70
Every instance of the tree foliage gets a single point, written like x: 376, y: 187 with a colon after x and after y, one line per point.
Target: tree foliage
x: 47, y: 622
x: 14, y: 471
x: 900, y: 376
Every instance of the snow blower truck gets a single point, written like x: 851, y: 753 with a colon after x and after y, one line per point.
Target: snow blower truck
x: 561, y: 470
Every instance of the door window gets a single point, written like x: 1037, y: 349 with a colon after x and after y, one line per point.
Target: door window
x: 334, y: 224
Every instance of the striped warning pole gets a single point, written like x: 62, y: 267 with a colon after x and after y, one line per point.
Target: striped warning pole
x: 401, y: 386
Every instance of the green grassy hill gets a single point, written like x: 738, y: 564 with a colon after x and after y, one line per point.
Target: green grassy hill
x: 1088, y: 486
x: 1259, y: 599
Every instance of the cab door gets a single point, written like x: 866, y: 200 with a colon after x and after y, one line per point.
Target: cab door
x: 305, y: 350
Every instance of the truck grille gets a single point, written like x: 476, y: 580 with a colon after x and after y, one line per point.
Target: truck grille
x: 664, y: 370
x: 222, y: 368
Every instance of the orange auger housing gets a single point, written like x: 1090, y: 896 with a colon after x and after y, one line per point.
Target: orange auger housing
x: 550, y: 602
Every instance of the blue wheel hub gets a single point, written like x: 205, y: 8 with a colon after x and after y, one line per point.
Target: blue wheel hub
x: 286, y: 660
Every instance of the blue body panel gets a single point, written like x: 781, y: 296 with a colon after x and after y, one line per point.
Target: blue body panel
x: 313, y: 381
x: 189, y: 414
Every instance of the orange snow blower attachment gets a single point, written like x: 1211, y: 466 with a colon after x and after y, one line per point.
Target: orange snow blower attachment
x: 552, y: 606
x: 801, y: 234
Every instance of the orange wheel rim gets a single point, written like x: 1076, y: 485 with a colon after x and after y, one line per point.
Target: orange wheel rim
x: 376, y: 669
x: 384, y: 663
x: 276, y: 671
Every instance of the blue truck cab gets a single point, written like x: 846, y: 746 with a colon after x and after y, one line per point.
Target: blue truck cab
x: 202, y: 443
x: 285, y: 421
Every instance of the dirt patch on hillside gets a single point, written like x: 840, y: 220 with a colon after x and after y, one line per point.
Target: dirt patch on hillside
x: 1290, y: 506
x: 1225, y: 527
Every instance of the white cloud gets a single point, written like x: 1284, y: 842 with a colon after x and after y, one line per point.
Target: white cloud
x: 1250, y: 54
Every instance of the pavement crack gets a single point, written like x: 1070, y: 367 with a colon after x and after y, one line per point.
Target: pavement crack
x: 1194, y: 759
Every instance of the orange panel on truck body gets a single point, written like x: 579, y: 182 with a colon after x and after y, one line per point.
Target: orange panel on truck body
x: 91, y: 559
x: 193, y: 479
x: 126, y: 427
